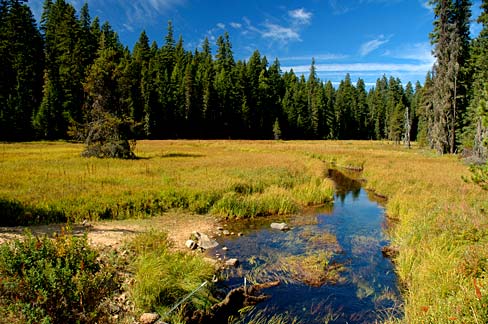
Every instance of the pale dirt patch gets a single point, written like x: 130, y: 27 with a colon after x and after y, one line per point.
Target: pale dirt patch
x: 113, y: 233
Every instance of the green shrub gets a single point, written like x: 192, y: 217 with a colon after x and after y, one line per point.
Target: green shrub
x: 58, y: 280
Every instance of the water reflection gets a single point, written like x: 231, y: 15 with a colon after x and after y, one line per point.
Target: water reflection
x: 330, y: 262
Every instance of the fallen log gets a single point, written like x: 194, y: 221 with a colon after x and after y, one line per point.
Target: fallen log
x: 235, y: 300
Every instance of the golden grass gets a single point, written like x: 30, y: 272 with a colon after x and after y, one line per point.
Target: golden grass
x: 191, y: 175
x: 442, y: 228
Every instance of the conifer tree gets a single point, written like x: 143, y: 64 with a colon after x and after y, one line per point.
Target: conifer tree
x: 450, y: 38
x: 64, y: 71
x: 20, y: 70
x: 108, y: 130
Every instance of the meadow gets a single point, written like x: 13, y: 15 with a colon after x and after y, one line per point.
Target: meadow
x: 440, y: 221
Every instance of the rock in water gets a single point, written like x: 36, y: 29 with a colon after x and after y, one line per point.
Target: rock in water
x: 232, y: 263
x: 204, y: 241
x: 280, y: 226
x: 192, y: 245
x: 148, y: 318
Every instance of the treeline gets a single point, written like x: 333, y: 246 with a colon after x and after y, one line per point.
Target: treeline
x: 72, y: 70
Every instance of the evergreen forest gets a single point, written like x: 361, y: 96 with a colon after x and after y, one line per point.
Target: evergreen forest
x: 68, y: 71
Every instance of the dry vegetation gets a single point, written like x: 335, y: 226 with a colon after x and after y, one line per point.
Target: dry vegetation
x: 441, y: 228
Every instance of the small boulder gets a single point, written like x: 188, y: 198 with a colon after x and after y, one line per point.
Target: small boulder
x: 225, y: 232
x: 390, y: 252
x: 225, y: 248
x: 204, y: 241
x: 280, y: 226
x: 232, y: 263
x: 148, y: 318
x: 192, y: 245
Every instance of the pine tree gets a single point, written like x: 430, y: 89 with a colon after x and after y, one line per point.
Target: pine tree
x: 396, y: 123
x: 21, y: 70
x: 314, y: 101
x: 361, y: 112
x: 64, y: 72
x: 450, y: 38
x: 345, y: 105
x: 426, y: 113
x: 329, y: 116
x: 108, y: 131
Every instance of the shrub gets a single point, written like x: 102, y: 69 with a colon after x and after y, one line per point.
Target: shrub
x: 58, y: 280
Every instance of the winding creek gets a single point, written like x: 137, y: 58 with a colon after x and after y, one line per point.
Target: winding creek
x: 358, y: 284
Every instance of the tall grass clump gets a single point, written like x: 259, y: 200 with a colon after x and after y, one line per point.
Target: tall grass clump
x: 273, y: 201
x: 317, y: 191
x: 54, y: 280
x: 163, y: 276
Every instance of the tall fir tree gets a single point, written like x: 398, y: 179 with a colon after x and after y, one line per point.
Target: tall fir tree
x: 64, y: 71
x: 20, y: 71
x: 450, y: 38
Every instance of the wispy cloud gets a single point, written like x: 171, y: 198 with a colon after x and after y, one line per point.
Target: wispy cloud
x: 373, y: 45
x: 137, y: 13
x: 419, y: 52
x: 235, y: 25
x: 281, y: 31
x: 425, y: 4
x: 300, y: 16
x: 363, y: 67
x: 221, y: 25
x: 317, y: 57
x: 340, y: 7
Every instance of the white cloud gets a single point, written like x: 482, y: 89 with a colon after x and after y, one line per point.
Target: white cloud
x: 372, y: 45
x: 421, y: 52
x: 235, y: 25
x: 363, y: 67
x: 317, y: 57
x: 276, y: 30
x: 300, y: 16
x: 280, y: 33
x: 221, y: 26
x: 425, y: 4
x: 339, y: 7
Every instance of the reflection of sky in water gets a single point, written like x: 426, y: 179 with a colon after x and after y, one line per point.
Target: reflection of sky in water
x: 356, y: 222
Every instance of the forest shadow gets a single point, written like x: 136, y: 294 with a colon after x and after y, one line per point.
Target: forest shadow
x: 181, y: 155
x: 16, y: 213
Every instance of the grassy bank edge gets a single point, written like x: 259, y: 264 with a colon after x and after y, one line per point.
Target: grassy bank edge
x: 441, y: 231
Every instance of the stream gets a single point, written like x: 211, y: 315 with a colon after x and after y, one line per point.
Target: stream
x: 329, y: 263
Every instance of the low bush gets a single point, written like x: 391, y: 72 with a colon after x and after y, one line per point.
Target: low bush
x: 53, y: 280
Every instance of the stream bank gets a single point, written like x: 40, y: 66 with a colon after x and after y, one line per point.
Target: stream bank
x: 329, y: 263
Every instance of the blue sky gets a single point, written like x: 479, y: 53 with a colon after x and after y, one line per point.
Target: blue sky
x: 366, y: 38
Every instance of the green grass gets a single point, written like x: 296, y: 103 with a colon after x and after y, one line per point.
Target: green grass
x: 163, y: 277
